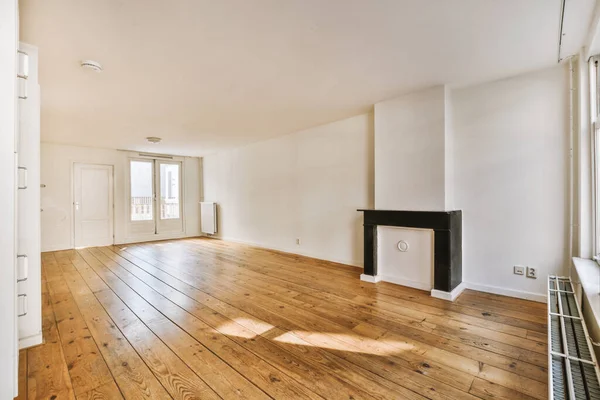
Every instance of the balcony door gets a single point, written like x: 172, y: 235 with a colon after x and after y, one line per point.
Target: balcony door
x: 155, y: 197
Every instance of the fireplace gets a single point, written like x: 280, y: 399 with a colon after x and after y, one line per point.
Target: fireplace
x: 447, y: 247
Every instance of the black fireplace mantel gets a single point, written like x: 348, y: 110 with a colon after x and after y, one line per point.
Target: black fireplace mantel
x: 447, y: 228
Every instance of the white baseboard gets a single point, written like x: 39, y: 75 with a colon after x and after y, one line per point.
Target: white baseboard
x: 520, y: 294
x: 354, y: 263
x: 152, y: 238
x: 405, y: 282
x: 370, y: 278
x: 55, y: 248
x: 139, y: 239
x: 31, y: 341
x: 450, y: 296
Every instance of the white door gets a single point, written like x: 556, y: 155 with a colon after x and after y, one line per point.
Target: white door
x: 155, y: 198
x: 93, y: 205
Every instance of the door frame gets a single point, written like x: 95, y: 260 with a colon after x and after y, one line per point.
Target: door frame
x: 111, y: 198
x: 129, y: 237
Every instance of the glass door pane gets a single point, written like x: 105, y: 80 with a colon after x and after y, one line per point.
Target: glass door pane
x: 142, y: 194
x: 169, y: 191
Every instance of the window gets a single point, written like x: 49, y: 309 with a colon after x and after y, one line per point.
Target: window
x: 595, y: 126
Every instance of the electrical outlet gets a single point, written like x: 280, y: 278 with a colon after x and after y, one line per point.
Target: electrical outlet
x: 518, y: 270
x: 532, y: 272
x: 298, y: 241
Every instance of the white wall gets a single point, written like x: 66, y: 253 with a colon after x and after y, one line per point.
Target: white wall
x: 57, y: 163
x: 304, y: 185
x: 192, y: 195
x: 449, y: 151
x: 497, y: 151
x: 511, y: 165
x: 410, y: 135
x: 8, y: 331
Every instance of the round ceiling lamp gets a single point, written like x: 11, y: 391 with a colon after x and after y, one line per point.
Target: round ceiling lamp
x: 153, y: 139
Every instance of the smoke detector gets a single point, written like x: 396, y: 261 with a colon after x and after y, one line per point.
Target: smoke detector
x: 92, y: 65
x: 153, y: 139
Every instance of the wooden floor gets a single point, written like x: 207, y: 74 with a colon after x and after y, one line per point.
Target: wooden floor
x: 209, y: 319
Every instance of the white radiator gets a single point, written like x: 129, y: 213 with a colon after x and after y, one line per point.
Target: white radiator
x: 208, y: 217
x: 573, y: 370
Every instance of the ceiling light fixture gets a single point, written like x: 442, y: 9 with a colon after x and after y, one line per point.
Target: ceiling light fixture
x: 92, y: 65
x: 153, y: 139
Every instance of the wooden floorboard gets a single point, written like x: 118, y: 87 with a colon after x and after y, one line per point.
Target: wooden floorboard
x: 209, y: 319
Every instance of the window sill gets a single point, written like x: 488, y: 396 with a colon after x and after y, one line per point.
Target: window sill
x: 587, y: 277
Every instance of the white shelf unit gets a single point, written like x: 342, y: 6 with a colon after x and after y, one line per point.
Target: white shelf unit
x: 28, y: 243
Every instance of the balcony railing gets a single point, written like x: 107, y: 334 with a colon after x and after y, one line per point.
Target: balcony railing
x: 141, y: 208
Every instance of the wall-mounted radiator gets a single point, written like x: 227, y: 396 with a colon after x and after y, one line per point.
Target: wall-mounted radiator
x: 208, y: 217
x: 572, y: 367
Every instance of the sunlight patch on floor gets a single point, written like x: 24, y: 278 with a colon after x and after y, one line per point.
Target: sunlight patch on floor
x: 345, y: 342
x: 245, y: 327
x: 249, y: 328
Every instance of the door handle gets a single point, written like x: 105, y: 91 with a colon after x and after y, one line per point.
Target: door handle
x: 24, y: 266
x: 23, y: 72
x: 23, y: 298
x: 24, y: 174
x: 22, y: 88
x: 76, y: 204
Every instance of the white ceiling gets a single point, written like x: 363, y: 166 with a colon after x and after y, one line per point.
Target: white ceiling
x: 207, y: 75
